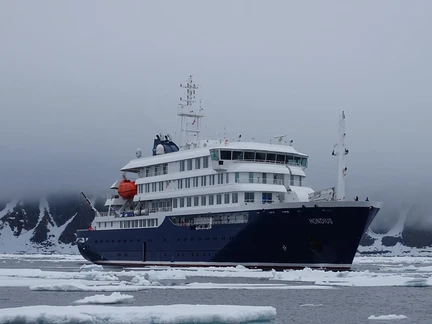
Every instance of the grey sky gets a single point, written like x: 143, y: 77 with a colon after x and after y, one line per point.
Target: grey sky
x: 84, y: 83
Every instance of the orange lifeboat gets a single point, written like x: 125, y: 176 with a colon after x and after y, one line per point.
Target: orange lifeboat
x: 127, y: 189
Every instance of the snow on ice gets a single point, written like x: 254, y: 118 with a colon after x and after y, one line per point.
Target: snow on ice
x: 114, y: 298
x: 141, y: 314
x: 387, y: 317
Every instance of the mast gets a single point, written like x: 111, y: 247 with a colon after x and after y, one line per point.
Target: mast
x: 340, y: 151
x: 190, y: 118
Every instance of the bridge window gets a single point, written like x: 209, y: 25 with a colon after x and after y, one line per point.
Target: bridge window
x: 214, y: 154
x: 237, y: 155
x: 260, y: 156
x: 271, y: 157
x: 249, y: 156
x: 280, y: 158
x: 225, y: 155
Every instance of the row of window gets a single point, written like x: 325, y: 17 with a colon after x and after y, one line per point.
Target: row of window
x: 187, y: 164
x: 153, y: 222
x: 258, y: 156
x: 205, y: 199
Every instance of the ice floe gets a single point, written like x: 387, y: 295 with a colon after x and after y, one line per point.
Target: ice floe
x: 114, y: 298
x: 387, y: 317
x: 141, y: 314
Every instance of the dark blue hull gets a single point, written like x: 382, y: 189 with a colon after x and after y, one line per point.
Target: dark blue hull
x: 310, y: 236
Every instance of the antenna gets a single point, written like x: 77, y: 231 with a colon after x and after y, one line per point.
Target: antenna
x: 187, y: 112
x: 340, y: 151
x: 280, y: 138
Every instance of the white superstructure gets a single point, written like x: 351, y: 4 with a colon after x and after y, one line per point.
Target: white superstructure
x: 206, y: 176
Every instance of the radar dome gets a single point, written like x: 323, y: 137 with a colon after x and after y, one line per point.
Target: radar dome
x: 160, y: 149
x: 138, y: 153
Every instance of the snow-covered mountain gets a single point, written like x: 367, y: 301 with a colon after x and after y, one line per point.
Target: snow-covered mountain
x: 48, y: 225
x: 44, y: 225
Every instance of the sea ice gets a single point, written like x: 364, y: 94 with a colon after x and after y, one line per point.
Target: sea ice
x: 141, y: 314
x: 387, y: 317
x: 114, y: 298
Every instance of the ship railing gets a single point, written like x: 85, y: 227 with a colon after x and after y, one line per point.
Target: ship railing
x: 160, y: 209
x: 292, y: 163
x: 261, y: 181
x: 111, y: 213
x: 145, y: 174
x: 110, y: 196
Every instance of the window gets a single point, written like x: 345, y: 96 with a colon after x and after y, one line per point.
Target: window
x: 225, y: 155
x: 227, y: 198
x: 203, y: 200
x: 212, y: 180
x: 237, y: 177
x: 198, y: 163
x: 251, y: 177
x: 156, y: 170
x: 219, y: 199
x: 211, y: 199
x: 141, y: 223
x: 147, y: 171
x: 189, y: 201
x: 203, y: 181
x: 249, y: 197
x: 214, y: 155
x: 280, y: 158
x: 249, y: 156
x: 121, y: 224
x: 195, y: 181
x: 181, y: 202
x: 153, y: 186
x: 234, y: 197
x: 264, y: 177
x: 165, y: 168
x: 300, y: 181
x: 291, y: 180
x: 304, y: 162
x: 237, y: 155
x: 205, y: 162
x: 266, y: 197
x: 271, y: 157
x: 260, y: 156
x: 147, y: 187
x: 180, y: 183
x: 182, y: 165
x: 187, y: 183
x: 227, y: 178
x: 220, y: 178
x: 175, y: 203
x: 196, y: 201
x: 161, y: 186
x: 189, y: 164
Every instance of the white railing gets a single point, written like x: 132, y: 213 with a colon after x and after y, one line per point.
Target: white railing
x: 261, y: 180
x: 292, y: 163
x: 111, y: 213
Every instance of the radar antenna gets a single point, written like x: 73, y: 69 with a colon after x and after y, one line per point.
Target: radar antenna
x: 190, y: 119
x: 280, y: 138
x: 340, y: 151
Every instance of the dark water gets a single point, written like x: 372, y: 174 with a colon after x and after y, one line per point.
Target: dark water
x: 340, y: 305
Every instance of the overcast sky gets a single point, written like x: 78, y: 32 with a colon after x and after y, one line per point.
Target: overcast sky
x: 85, y: 83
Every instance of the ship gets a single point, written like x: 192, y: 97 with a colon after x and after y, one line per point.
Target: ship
x: 225, y: 202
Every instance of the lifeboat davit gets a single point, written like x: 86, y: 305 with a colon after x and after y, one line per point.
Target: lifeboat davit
x: 127, y: 189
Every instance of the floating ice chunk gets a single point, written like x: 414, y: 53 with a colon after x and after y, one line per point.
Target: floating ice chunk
x: 143, y: 281
x: 417, y: 282
x: 114, y: 298
x: 91, y: 267
x: 141, y: 314
x: 387, y: 317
